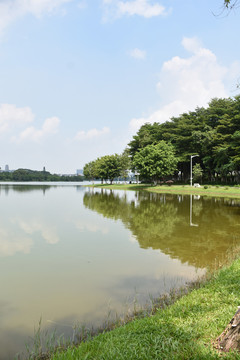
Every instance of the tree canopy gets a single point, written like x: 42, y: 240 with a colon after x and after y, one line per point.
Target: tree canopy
x: 213, y: 133
x: 155, y: 161
x: 34, y: 175
x: 105, y: 168
x: 158, y: 149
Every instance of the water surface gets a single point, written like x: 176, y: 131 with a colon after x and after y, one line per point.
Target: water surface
x: 69, y: 254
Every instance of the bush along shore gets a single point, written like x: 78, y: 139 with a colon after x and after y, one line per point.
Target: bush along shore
x: 189, y: 328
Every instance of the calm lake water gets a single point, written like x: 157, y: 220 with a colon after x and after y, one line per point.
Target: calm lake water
x: 70, y: 254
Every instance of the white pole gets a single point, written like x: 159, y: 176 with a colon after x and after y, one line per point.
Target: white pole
x: 191, y: 171
x: 192, y: 156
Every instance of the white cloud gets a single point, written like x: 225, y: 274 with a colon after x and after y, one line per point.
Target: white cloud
x: 186, y: 83
x: 48, y: 233
x: 82, y: 4
x: 133, y: 239
x: 50, y: 127
x: 138, y: 54
x: 145, y: 8
x: 92, y: 227
x: 10, y: 10
x: 191, y: 44
x: 12, y: 116
x: 91, y: 134
x: 24, y: 242
x: 9, y: 247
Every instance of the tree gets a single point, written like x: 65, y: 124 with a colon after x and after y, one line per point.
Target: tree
x: 213, y: 133
x: 89, y: 170
x: 112, y: 165
x: 107, y: 167
x: 197, y: 172
x: 125, y: 162
x: 155, y: 161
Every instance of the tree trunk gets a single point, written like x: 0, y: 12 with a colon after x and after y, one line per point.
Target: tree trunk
x: 230, y: 337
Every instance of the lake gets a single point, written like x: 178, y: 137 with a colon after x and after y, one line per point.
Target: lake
x: 70, y: 255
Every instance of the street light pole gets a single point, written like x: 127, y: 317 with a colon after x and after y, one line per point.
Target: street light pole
x: 192, y: 156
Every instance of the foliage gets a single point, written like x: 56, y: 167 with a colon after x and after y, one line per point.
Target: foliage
x: 229, y: 4
x: 155, y: 161
x: 213, y: 133
x: 125, y: 162
x: 89, y: 170
x: 107, y: 167
x: 197, y: 172
x: 33, y: 175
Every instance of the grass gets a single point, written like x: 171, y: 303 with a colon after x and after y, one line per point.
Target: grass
x: 44, y: 343
x: 185, y: 330
x: 211, y: 190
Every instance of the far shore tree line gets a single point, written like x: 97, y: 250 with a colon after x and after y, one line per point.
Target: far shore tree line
x: 162, y: 151
x: 34, y: 175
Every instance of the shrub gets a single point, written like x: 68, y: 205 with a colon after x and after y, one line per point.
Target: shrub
x: 205, y: 187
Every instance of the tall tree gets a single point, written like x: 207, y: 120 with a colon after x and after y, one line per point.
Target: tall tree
x: 89, y: 170
x: 155, y: 161
x: 108, y: 167
x: 125, y: 164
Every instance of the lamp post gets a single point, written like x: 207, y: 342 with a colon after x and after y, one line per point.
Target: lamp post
x: 137, y: 176
x: 192, y: 156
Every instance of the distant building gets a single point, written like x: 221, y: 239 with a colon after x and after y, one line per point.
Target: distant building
x: 79, y: 172
x: 6, y: 168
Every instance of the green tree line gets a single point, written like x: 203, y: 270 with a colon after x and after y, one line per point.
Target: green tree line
x: 213, y: 133
x: 33, y: 175
x: 161, y: 151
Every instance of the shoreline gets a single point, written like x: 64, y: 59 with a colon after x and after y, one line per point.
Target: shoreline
x: 211, y: 190
x: 185, y: 328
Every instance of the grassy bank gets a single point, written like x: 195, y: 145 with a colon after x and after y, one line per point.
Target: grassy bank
x: 184, y: 330
x: 208, y: 190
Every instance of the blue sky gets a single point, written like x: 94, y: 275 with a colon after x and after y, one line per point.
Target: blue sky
x: 79, y: 77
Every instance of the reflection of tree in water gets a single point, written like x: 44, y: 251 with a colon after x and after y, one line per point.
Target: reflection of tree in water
x: 152, y: 220
x: 162, y: 222
x: 147, y: 217
x: 197, y: 208
x: 218, y: 231
x: 108, y: 204
x: 24, y: 188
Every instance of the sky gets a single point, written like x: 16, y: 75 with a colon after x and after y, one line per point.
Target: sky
x: 78, y: 78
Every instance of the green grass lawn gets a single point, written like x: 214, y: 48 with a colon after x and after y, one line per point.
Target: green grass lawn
x: 184, y: 330
x: 211, y: 190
